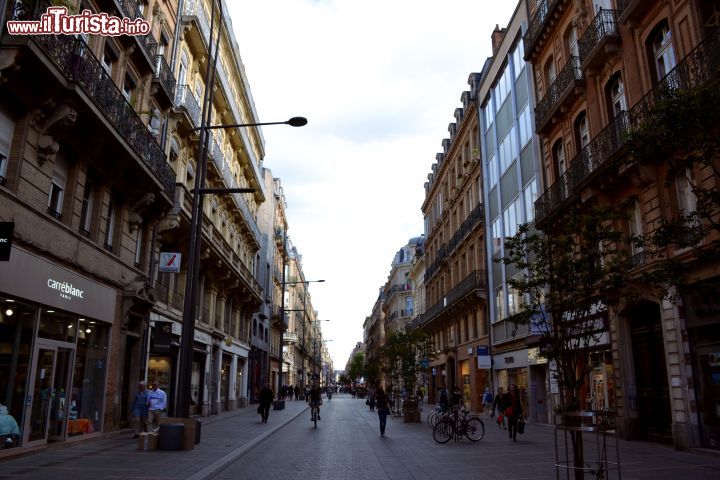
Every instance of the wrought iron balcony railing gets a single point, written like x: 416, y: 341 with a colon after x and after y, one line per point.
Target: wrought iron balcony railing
x: 566, y: 80
x: 699, y: 66
x: 468, y: 225
x: 184, y: 99
x: 476, y: 280
x: 602, y: 28
x: 131, y: 9
x: 537, y: 24
x: 164, y: 75
x: 78, y: 64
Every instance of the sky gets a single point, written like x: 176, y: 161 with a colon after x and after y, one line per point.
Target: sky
x: 378, y: 82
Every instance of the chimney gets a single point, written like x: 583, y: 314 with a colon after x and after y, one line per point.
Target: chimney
x: 497, y: 37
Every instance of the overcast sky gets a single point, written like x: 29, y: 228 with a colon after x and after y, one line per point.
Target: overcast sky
x: 378, y: 82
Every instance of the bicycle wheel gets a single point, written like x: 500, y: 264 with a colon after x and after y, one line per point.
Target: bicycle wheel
x: 443, y: 431
x: 432, y: 419
x: 474, y: 429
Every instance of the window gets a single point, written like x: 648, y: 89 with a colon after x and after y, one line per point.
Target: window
x: 525, y: 125
x: 87, y: 204
x: 507, y: 151
x: 662, y: 50
x: 582, y: 131
x: 128, y: 87
x: 57, y: 186
x: 687, y: 201
x: 616, y: 93
x: 550, y: 73
x: 110, y: 224
x: 139, y: 245
x: 517, y: 59
x: 573, y: 43
x: 497, y: 234
x: 7, y: 128
x: 107, y: 59
x: 493, y: 174
x: 530, y: 193
x: 512, y: 217
x: 635, y: 226
x: 514, y: 301
x: 558, y: 156
x: 499, y: 303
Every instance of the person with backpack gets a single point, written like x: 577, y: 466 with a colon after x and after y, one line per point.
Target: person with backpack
x: 499, y: 408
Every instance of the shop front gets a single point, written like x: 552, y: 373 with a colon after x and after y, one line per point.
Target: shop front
x: 511, y: 368
x: 54, y: 337
x: 703, y: 321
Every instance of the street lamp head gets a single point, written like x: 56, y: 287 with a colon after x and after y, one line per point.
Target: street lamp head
x: 297, y: 121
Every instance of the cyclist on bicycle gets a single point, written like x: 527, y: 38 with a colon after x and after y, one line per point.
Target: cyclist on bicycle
x: 315, y: 400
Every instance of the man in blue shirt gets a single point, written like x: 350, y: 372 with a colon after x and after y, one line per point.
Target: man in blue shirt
x: 139, y: 409
x: 157, y: 403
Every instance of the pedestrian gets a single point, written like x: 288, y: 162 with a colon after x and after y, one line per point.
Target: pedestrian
x: 487, y: 401
x: 419, y: 396
x: 499, y: 408
x: 265, y: 398
x: 139, y: 409
x: 513, y: 411
x: 371, y: 398
x: 444, y: 399
x: 8, y: 429
x: 297, y: 392
x: 456, y: 399
x: 383, y: 408
x: 290, y: 392
x: 157, y: 403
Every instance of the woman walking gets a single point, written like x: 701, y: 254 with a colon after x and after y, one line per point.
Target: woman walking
x: 513, y: 411
x: 383, y: 408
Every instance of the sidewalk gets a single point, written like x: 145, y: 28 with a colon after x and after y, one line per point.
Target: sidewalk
x: 225, y: 437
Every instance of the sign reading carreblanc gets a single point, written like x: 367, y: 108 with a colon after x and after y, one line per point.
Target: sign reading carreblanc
x: 67, y: 290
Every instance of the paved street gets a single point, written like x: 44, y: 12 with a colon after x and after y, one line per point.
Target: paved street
x: 346, y: 445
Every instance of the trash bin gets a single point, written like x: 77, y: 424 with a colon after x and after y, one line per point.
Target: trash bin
x: 197, y: 431
x: 171, y: 436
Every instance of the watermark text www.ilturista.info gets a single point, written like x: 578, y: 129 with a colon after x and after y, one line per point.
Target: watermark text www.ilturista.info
x: 57, y: 21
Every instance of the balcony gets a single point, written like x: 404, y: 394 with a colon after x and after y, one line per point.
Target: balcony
x: 163, y: 81
x: 79, y: 66
x: 468, y: 225
x: 568, y: 85
x: 600, y: 39
x: 701, y: 65
x: 629, y: 11
x: 473, y: 283
x: 546, y: 15
x: 148, y: 45
x: 185, y: 102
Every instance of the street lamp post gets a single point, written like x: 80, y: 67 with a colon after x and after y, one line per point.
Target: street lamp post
x: 191, y: 282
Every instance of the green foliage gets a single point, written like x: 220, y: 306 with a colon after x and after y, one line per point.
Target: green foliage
x: 357, y: 367
x: 402, y: 354
x: 681, y: 133
x: 568, y: 277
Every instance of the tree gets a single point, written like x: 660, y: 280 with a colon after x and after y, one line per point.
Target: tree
x: 402, y: 354
x: 568, y: 276
x: 679, y: 137
x: 357, y: 367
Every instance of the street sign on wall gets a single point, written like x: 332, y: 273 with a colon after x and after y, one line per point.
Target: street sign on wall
x: 169, y: 262
x: 483, y: 356
x: 6, y: 233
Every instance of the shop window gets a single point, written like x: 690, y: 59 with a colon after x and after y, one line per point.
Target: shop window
x: 17, y: 322
x: 56, y: 325
x: 89, y: 375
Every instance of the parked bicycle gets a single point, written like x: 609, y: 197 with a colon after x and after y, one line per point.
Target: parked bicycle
x: 456, y: 424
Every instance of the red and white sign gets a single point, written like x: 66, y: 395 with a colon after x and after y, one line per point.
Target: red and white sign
x: 169, y: 262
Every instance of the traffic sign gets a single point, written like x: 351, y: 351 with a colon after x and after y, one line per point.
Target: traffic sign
x: 169, y: 262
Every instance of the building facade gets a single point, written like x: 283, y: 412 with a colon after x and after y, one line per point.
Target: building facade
x: 456, y: 270
x: 510, y: 153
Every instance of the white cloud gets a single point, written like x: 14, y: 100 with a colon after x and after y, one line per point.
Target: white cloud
x: 379, y: 82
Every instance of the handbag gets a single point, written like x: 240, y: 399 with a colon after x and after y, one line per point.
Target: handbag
x: 509, y: 411
x: 521, y: 426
